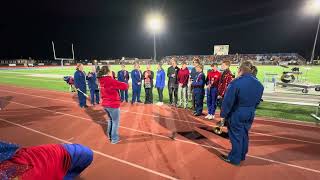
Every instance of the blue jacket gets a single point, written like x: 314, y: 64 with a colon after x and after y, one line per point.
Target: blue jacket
x: 136, y: 76
x: 193, y: 73
x: 92, y: 81
x: 241, y: 99
x: 123, y: 76
x: 199, y: 82
x: 160, y: 79
x: 80, y: 80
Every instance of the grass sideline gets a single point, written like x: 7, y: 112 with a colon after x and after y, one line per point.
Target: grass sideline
x: 18, y: 77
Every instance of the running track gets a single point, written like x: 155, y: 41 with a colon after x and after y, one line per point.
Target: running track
x: 278, y: 149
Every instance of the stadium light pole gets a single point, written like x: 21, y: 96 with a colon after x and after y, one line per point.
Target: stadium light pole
x: 313, y: 7
x: 155, y: 24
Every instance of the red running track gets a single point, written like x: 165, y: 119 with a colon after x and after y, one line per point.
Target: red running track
x: 278, y: 149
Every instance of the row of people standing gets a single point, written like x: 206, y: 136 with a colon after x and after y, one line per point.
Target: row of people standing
x: 180, y: 83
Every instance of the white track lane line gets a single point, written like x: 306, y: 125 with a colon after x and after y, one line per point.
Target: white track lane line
x: 251, y: 132
x: 189, y: 142
x: 95, y: 151
x: 306, y: 124
x: 30, y: 79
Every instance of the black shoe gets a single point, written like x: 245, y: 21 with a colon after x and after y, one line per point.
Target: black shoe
x: 132, y: 102
x: 140, y: 102
x: 85, y: 106
x: 196, y: 114
x: 225, y: 158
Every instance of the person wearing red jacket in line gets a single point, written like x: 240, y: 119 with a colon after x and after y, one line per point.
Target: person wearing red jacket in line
x: 183, y: 78
x: 225, y: 80
x: 111, y: 100
x: 212, y: 82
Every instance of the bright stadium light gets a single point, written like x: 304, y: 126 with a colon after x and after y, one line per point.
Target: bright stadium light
x: 313, y: 7
x: 155, y: 24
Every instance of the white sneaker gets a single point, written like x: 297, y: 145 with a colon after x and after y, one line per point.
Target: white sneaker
x: 207, y: 117
x: 211, y: 117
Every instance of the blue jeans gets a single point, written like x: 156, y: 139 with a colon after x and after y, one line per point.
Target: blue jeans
x: 113, y: 124
x: 212, y: 94
x: 124, y: 95
x: 198, y: 97
x: 94, y: 95
x: 81, y: 157
x: 136, y: 93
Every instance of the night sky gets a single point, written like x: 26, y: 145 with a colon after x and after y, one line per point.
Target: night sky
x: 113, y: 29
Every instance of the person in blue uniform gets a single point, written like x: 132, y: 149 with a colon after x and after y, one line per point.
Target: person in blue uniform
x: 93, y: 86
x: 198, y: 90
x: 123, y: 76
x: 193, y: 75
x: 136, y: 76
x: 238, y: 110
x: 80, y: 83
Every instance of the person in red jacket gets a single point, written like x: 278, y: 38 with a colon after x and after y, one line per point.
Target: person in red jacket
x: 225, y: 80
x: 49, y: 161
x: 183, y: 79
x: 212, y: 82
x: 109, y: 88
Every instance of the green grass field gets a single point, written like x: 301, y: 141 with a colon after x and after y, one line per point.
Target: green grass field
x: 22, y: 77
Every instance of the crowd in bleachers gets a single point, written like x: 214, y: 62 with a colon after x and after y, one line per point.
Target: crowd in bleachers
x: 264, y: 59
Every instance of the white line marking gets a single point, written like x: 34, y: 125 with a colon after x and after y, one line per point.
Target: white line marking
x: 33, y: 79
x: 257, y: 118
x: 251, y: 132
x: 299, y: 98
x: 189, y: 142
x: 95, y: 151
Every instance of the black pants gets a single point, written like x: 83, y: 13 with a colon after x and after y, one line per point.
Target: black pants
x: 149, y: 96
x: 160, y: 93
x: 173, y: 92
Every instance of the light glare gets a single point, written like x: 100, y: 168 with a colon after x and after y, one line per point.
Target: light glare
x: 155, y: 23
x: 312, y: 7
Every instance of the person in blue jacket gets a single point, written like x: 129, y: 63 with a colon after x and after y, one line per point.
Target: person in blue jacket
x: 123, y: 76
x: 193, y: 75
x: 160, y: 83
x: 238, y: 110
x: 80, y: 83
x: 93, y: 86
x: 198, y: 90
x: 136, y: 76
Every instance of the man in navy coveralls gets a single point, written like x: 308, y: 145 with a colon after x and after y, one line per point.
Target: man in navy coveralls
x: 238, y: 109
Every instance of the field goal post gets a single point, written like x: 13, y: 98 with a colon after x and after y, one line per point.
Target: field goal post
x: 61, y: 58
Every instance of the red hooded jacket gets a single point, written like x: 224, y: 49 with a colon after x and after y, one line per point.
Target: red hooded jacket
x: 109, y: 89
